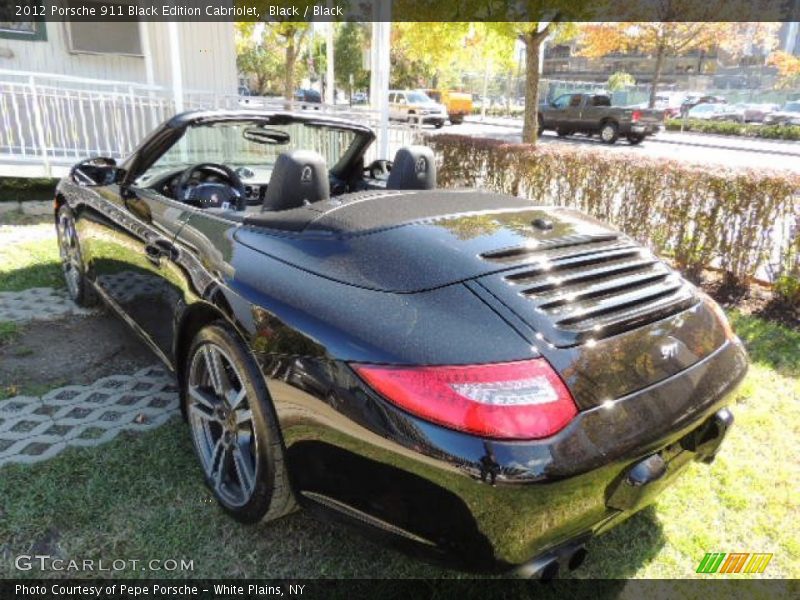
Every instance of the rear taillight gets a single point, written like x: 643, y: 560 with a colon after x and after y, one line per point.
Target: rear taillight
x: 516, y: 400
x: 636, y: 116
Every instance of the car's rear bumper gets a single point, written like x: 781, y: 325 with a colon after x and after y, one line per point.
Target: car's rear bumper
x: 645, y: 128
x: 488, y: 505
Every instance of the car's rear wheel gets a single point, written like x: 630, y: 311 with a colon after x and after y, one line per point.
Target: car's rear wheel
x: 438, y: 124
x: 563, y: 132
x: 634, y: 139
x: 69, y: 247
x: 609, y: 132
x: 233, y: 427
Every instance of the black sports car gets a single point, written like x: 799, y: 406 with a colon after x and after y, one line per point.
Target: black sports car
x: 478, y: 380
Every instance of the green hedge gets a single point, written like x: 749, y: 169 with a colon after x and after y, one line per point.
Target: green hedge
x: 696, y: 215
x: 771, y: 132
x: 13, y: 189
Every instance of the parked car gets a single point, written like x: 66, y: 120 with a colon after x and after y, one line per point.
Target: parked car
x: 789, y: 114
x: 360, y: 98
x: 593, y: 113
x: 755, y: 112
x: 308, y: 96
x: 458, y: 104
x: 487, y: 396
x: 416, y: 107
x: 695, y: 99
x: 708, y: 112
x: 736, y: 113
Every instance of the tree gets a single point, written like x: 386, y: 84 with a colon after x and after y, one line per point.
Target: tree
x: 424, y: 53
x: 261, y: 64
x: 272, y: 59
x: 533, y: 35
x: 348, y: 48
x: 788, y: 67
x: 292, y: 37
x: 619, y: 81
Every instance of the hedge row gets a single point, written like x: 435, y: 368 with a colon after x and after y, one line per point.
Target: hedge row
x: 771, y: 132
x: 733, y: 219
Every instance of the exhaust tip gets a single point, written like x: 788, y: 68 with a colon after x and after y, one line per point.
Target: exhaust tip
x: 577, y: 558
x: 549, y: 572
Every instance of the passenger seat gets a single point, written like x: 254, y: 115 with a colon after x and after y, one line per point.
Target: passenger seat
x: 414, y: 168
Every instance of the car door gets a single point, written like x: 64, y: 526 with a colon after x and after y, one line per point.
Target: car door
x: 555, y: 114
x: 574, y: 111
x: 136, y: 263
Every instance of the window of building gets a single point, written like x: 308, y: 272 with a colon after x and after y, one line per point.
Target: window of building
x: 114, y: 37
x: 33, y: 29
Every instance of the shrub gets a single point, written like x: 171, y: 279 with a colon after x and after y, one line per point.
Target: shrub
x: 699, y: 216
x: 772, y: 132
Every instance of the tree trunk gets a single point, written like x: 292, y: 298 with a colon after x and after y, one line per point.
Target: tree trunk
x: 656, y: 75
x: 288, y: 78
x: 530, y: 127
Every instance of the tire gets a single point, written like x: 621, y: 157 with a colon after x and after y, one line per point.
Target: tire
x: 79, y: 287
x: 609, y: 132
x: 540, y: 129
x: 635, y: 139
x: 438, y: 124
x: 562, y: 132
x: 456, y: 120
x: 233, y: 427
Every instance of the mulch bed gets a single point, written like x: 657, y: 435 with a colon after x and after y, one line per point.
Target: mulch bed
x: 755, y: 299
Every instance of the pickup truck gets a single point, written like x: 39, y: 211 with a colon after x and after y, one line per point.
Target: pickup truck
x: 593, y: 114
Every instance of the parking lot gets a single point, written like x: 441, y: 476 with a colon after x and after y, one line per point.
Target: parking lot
x: 726, y: 151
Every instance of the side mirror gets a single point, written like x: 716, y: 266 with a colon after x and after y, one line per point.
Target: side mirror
x: 96, y: 172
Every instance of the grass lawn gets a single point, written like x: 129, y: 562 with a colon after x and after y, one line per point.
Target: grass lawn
x: 141, y: 497
x: 30, y: 264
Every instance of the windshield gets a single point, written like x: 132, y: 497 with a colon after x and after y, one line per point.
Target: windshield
x: 252, y: 144
x: 418, y: 98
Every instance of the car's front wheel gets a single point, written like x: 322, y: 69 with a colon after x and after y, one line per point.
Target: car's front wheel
x: 234, y: 429
x: 69, y: 248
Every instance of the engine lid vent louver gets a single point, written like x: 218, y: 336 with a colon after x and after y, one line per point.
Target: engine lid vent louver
x: 585, y: 287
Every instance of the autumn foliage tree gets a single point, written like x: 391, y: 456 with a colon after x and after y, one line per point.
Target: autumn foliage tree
x: 663, y: 39
x: 788, y: 67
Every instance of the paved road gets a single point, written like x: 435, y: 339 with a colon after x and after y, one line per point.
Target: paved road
x: 691, y: 147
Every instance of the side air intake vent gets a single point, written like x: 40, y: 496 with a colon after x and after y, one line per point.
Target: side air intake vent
x: 585, y: 287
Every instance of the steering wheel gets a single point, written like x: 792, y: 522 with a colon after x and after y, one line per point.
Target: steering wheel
x: 379, y: 169
x: 184, y: 188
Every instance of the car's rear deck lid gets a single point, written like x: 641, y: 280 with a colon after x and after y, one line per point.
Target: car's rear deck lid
x: 411, y: 241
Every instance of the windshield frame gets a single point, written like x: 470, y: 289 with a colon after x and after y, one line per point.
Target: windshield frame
x: 170, y: 132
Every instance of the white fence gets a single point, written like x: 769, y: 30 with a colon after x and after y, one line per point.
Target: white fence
x: 49, y: 121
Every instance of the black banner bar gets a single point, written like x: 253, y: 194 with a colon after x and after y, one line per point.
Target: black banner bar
x: 379, y: 589
x: 402, y: 10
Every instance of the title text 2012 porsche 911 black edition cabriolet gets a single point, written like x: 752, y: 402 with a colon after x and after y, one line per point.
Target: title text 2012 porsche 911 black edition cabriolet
x: 472, y: 378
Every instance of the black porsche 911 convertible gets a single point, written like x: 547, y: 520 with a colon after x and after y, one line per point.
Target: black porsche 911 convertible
x: 477, y: 380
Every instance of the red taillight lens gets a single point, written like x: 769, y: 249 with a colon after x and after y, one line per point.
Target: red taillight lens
x: 517, y: 400
x: 636, y: 116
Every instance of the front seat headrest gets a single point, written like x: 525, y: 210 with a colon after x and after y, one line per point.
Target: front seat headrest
x: 298, y: 178
x: 414, y: 168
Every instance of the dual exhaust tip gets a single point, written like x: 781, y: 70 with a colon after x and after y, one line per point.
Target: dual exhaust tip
x: 546, y: 568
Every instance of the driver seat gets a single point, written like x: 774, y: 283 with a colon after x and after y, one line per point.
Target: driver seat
x: 298, y: 178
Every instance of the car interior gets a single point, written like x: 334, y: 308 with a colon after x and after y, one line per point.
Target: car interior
x: 299, y: 178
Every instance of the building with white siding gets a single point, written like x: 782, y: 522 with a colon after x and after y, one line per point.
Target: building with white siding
x: 136, y: 52
x: 69, y: 90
